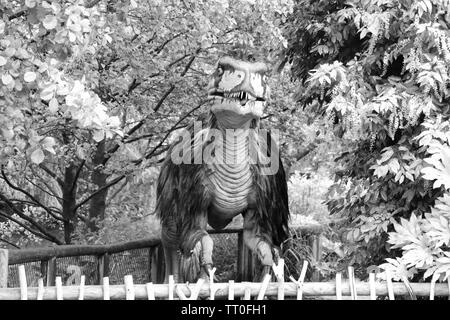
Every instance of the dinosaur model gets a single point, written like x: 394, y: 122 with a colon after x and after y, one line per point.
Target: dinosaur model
x: 232, y: 180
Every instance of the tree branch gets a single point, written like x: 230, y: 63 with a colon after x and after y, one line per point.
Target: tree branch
x: 39, y: 187
x: 303, y: 153
x: 92, y: 3
x: 52, y: 174
x: 161, y: 47
x: 117, y: 191
x: 50, y: 189
x: 178, y: 60
x: 27, y: 194
x: 150, y: 154
x: 10, y: 243
x: 31, y: 203
x: 155, y: 109
x: 31, y: 221
x: 36, y: 233
x: 77, y: 175
x: 144, y: 136
x: 106, y: 186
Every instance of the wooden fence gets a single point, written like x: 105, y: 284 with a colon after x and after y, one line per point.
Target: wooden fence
x: 47, y: 256
x: 295, y: 289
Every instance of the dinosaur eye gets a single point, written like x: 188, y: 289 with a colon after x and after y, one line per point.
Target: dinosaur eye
x: 220, y: 71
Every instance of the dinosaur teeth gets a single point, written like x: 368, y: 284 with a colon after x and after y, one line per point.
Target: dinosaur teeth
x: 240, y: 95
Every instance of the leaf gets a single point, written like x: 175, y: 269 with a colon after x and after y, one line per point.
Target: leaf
x: 37, y: 156
x: 50, y: 22
x: 7, y: 79
x: 394, y: 165
x: 387, y: 154
x: 30, y: 3
x: 29, y: 76
x: 48, y: 143
x: 53, y: 105
x: 47, y: 93
x: 99, y: 135
x: 3, y: 61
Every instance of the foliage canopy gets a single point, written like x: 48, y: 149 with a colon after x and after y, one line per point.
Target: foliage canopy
x: 378, y: 71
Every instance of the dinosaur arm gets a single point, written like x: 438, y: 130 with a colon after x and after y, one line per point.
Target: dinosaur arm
x: 272, y: 199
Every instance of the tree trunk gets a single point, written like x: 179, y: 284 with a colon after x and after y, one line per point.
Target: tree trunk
x: 69, y: 202
x: 97, y: 204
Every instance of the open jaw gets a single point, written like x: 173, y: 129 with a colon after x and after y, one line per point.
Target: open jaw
x: 242, y: 97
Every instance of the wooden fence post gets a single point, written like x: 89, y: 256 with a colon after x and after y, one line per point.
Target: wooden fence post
x: 3, y: 268
x: 44, y: 268
x: 316, y: 246
x: 242, y: 259
x: 51, y: 272
x: 102, y: 267
x: 246, y: 261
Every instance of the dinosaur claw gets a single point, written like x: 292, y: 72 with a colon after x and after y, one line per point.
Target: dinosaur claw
x: 276, y: 255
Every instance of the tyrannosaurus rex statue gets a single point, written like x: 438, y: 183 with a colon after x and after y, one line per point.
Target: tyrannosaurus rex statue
x: 195, y: 191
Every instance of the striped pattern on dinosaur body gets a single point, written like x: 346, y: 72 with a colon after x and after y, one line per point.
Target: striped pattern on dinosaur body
x: 231, y: 174
x: 232, y: 185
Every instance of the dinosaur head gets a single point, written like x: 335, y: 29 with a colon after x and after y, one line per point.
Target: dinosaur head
x: 238, y: 89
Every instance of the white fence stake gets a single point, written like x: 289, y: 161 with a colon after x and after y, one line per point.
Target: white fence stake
x: 300, y: 280
x: 23, y: 283
x: 82, y: 281
x: 278, y: 270
x: 171, y: 287
x: 40, y: 293
x: 129, y: 287
x: 106, y: 295
x: 264, y: 285
x: 59, y: 289
x: 389, y: 285
x: 373, y: 293
x: 351, y: 279
x: 231, y: 289
x: 247, y: 293
x: 338, y: 286
x: 448, y: 283
x: 212, y: 288
x: 150, y: 291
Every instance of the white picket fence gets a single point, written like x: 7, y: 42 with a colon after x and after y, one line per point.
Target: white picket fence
x: 294, y: 289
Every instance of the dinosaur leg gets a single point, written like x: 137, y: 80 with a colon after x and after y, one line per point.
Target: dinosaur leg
x: 197, y: 249
x: 170, y: 245
x: 172, y: 263
x: 258, y: 242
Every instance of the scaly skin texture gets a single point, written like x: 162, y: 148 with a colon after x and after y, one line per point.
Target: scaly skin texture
x: 227, y: 182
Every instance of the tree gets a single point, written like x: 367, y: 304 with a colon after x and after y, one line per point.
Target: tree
x: 378, y: 71
x: 92, y: 91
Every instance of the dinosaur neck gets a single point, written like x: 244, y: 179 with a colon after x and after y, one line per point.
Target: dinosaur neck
x: 237, y: 132
x: 230, y: 120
